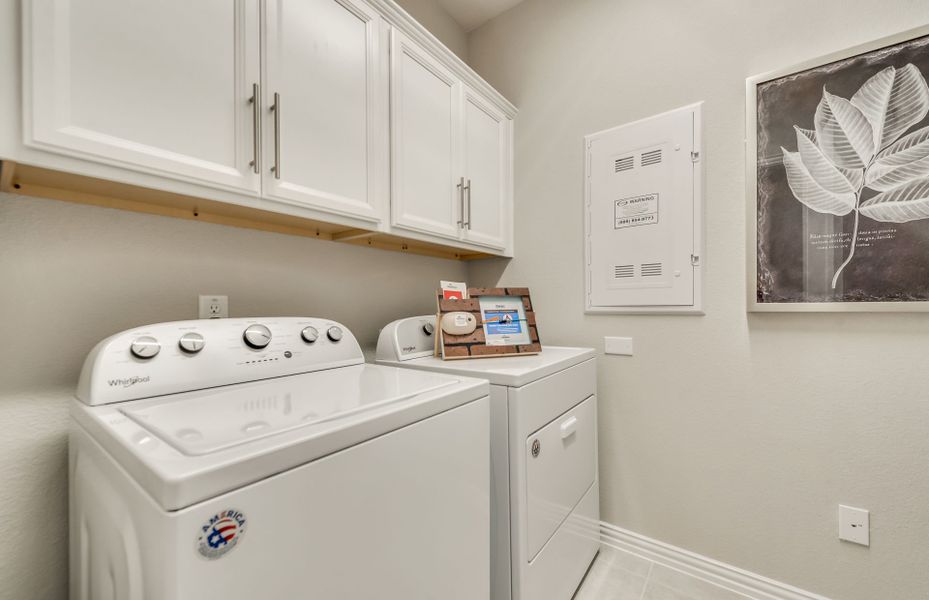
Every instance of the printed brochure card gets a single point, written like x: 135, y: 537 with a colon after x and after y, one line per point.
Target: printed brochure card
x: 504, y: 319
x: 457, y: 290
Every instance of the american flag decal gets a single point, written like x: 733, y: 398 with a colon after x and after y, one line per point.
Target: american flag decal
x: 220, y: 534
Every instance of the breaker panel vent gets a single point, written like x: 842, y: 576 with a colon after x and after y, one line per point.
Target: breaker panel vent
x: 623, y: 271
x: 651, y: 158
x: 623, y: 164
x: 651, y: 269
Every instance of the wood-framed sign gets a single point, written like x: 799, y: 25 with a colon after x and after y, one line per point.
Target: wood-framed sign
x: 837, y: 174
x: 490, y: 322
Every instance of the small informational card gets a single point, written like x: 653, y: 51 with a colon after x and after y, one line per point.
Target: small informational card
x: 454, y: 290
x: 504, y: 319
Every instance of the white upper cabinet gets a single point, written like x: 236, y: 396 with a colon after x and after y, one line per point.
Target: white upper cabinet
x: 162, y: 87
x: 345, y: 112
x: 426, y: 193
x: 487, y: 172
x: 450, y: 150
x: 326, y: 95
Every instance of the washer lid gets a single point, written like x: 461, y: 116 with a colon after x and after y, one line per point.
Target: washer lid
x: 218, y: 419
x: 512, y: 371
x: 186, y: 448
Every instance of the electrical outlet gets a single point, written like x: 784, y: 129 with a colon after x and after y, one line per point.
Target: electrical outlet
x: 618, y: 345
x: 214, y: 307
x: 854, y: 525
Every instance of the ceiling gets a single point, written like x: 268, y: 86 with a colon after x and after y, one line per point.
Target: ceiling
x: 471, y: 14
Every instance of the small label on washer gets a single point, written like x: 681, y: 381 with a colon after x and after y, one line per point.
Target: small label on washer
x: 221, y: 533
x: 635, y: 211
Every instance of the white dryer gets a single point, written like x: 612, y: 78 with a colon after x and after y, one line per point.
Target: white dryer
x: 545, y: 511
x: 243, y: 459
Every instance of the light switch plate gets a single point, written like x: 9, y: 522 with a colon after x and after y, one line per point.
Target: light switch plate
x: 618, y: 345
x: 854, y: 525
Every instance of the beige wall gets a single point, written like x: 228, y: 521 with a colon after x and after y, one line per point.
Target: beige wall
x: 72, y: 275
x: 441, y: 24
x: 734, y: 436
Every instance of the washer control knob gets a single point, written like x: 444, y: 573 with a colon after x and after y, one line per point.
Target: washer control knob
x: 191, y: 342
x: 309, y: 334
x: 428, y: 328
x: 145, y: 347
x: 334, y: 333
x: 257, y: 336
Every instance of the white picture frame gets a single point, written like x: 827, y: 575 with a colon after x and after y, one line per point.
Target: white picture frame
x: 752, y: 189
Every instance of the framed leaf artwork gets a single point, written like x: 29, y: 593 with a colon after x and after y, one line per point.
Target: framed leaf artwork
x: 838, y: 181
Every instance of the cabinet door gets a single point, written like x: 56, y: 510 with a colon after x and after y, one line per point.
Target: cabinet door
x: 425, y: 133
x: 326, y: 95
x: 486, y: 166
x: 162, y: 87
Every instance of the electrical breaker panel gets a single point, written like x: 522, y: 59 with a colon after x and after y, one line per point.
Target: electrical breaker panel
x: 644, y: 215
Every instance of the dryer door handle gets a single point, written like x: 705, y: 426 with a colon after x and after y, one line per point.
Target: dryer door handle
x: 568, y: 427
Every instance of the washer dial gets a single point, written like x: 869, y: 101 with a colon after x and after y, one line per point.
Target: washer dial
x: 145, y: 347
x: 191, y: 342
x: 257, y: 336
x: 428, y: 328
x: 334, y: 333
x: 309, y: 334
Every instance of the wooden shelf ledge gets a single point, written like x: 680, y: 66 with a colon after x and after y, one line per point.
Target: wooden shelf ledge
x: 37, y: 182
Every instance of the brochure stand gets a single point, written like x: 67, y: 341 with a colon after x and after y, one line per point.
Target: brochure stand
x: 488, y: 322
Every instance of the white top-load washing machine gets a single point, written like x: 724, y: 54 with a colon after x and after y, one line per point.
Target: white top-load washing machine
x: 244, y: 459
x: 545, y: 512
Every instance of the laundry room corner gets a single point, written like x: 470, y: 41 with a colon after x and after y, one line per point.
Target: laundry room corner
x: 464, y: 300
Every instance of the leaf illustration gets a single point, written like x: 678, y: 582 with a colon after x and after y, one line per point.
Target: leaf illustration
x: 821, y: 169
x: 884, y: 179
x: 872, y: 99
x: 909, y: 148
x: 810, y: 193
x: 893, y: 100
x: 843, y: 132
x: 900, y: 205
x: 902, y: 162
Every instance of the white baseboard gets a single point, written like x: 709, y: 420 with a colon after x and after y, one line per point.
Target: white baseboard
x: 712, y: 571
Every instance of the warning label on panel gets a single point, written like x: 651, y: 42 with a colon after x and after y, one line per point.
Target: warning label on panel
x: 635, y: 211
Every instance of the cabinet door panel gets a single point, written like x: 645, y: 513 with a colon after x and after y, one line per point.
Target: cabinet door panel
x: 424, y: 136
x: 324, y: 62
x: 160, y: 86
x: 486, y: 159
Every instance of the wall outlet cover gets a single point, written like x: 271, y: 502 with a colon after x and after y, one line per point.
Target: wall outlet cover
x: 854, y: 525
x: 214, y: 307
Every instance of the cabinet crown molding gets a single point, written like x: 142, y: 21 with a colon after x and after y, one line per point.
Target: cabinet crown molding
x: 402, y: 20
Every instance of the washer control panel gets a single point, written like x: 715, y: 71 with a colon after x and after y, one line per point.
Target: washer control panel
x: 168, y: 358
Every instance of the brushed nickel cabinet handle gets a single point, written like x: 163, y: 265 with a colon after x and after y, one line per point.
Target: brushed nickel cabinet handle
x: 255, y: 101
x: 468, y: 190
x: 276, y: 107
x: 460, y: 187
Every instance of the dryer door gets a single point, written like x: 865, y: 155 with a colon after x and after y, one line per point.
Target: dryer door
x: 561, y: 461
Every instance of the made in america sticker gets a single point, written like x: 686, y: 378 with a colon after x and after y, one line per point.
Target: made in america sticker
x: 635, y: 211
x: 221, y: 533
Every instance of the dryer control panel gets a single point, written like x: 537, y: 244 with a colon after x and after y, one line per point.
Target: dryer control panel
x: 168, y: 358
x: 405, y: 339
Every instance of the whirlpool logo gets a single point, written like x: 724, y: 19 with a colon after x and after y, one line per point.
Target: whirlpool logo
x: 129, y: 381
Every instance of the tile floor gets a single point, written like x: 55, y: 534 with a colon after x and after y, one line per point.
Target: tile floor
x: 620, y: 575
